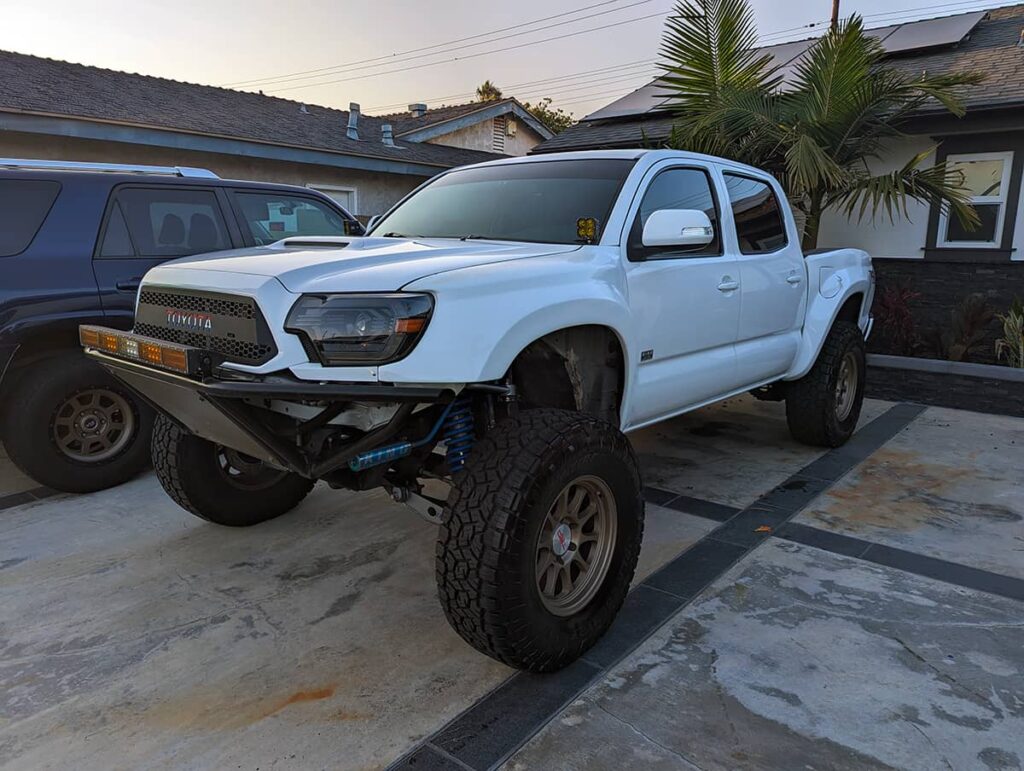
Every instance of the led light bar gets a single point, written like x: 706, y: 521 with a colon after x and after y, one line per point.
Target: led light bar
x: 146, y: 350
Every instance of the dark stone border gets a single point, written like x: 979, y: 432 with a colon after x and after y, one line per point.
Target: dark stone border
x: 486, y: 734
x: 908, y: 561
x: 28, y: 496
x: 960, y: 385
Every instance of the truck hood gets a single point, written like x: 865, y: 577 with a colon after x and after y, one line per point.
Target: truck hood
x: 353, y: 265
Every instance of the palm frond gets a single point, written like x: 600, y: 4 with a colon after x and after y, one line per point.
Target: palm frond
x: 891, y: 191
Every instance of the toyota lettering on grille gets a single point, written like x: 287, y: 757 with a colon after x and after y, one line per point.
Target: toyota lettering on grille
x: 180, y: 319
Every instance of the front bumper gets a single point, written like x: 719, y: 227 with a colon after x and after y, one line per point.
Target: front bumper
x: 214, y: 403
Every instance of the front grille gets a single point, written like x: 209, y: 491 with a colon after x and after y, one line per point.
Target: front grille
x: 218, y: 306
x: 236, y: 330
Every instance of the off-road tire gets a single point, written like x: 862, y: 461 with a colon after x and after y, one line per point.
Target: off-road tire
x: 811, y: 400
x: 32, y: 409
x: 487, y: 544
x: 189, y: 470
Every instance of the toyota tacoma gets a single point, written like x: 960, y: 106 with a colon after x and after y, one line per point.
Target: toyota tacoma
x: 482, y: 353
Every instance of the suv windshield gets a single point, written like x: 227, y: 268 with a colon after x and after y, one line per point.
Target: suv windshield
x: 536, y: 202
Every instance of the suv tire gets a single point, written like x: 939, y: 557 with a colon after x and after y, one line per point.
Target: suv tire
x: 71, y: 426
x: 543, y: 494
x: 823, y: 407
x: 220, y: 485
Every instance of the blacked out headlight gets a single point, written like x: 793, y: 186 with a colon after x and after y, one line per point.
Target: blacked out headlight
x: 342, y: 329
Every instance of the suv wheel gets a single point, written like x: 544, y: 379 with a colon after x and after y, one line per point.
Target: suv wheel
x: 71, y: 426
x: 541, y: 538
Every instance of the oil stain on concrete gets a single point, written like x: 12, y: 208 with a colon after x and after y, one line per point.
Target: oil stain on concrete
x: 802, y: 659
x: 950, y: 486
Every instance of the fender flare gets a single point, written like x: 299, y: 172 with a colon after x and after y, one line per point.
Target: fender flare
x: 821, y: 315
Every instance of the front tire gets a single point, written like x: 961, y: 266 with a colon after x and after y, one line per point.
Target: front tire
x: 823, y: 407
x: 541, y: 538
x: 220, y: 485
x: 71, y: 426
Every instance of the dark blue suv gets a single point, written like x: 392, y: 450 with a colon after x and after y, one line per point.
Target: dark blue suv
x: 75, y: 241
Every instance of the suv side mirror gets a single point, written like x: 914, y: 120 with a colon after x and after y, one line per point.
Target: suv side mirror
x: 372, y: 221
x: 678, y: 227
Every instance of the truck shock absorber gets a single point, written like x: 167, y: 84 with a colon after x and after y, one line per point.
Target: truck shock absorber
x: 459, y: 434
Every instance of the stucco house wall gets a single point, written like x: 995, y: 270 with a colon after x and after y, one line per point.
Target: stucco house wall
x: 481, y: 136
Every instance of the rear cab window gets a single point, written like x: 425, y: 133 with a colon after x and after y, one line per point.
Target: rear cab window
x: 163, y: 222
x: 267, y: 217
x: 760, y: 227
x: 24, y: 204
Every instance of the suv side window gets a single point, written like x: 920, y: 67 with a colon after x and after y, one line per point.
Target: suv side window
x: 675, y: 189
x: 24, y: 204
x: 154, y: 222
x: 760, y: 228
x: 269, y: 217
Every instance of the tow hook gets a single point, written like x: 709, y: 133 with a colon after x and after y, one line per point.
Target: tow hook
x: 430, y: 509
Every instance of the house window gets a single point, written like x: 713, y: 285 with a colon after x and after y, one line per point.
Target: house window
x: 987, y: 177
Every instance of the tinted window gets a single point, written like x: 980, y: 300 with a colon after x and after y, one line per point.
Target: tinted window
x: 759, y: 224
x: 24, y: 205
x: 164, y: 223
x: 537, y: 202
x: 676, y: 189
x: 269, y: 217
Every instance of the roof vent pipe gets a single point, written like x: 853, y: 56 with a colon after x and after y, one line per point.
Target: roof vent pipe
x: 387, y: 137
x: 353, y: 121
x: 417, y: 110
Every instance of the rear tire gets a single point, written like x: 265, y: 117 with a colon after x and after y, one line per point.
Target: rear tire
x: 73, y: 427
x: 823, y: 407
x: 220, y: 485
x: 541, y: 538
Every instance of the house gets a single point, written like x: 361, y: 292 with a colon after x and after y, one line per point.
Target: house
x: 925, y: 252
x: 58, y: 110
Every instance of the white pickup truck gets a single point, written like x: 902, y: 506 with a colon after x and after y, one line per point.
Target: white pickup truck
x: 498, y: 333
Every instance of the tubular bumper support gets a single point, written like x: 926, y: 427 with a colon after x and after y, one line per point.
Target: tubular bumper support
x: 214, y: 409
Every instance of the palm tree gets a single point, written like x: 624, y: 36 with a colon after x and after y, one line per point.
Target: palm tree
x: 488, y: 92
x: 818, y: 130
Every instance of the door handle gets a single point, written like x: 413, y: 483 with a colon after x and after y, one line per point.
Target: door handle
x: 728, y: 285
x: 131, y: 285
x: 794, y: 278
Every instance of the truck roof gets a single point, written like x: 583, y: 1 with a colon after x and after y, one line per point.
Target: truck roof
x: 651, y: 156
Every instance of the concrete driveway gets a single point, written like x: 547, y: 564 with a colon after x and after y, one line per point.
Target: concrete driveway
x: 859, y: 608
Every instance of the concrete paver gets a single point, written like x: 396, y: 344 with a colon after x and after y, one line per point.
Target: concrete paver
x: 949, y: 486
x: 797, y: 658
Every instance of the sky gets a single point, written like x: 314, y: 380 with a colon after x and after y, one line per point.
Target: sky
x: 387, y: 54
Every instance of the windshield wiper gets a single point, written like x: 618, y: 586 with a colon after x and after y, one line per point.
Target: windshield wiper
x: 392, y: 234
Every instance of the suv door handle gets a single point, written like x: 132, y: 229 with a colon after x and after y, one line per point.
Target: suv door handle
x: 728, y: 285
x: 794, y: 278
x: 131, y: 285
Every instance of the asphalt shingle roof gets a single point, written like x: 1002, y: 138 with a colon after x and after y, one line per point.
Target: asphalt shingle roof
x: 992, y: 48
x: 31, y: 84
x: 403, y: 122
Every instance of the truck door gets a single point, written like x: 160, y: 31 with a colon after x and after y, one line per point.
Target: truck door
x: 685, y: 303
x: 145, y: 226
x: 773, y: 278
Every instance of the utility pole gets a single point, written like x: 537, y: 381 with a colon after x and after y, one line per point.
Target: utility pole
x: 835, y: 13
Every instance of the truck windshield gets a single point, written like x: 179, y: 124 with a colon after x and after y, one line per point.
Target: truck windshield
x: 538, y: 202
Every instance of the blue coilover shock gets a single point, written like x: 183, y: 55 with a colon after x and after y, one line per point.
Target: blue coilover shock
x: 458, y: 434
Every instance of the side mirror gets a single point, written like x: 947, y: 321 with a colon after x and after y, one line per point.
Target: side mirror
x: 678, y: 227
x: 372, y: 222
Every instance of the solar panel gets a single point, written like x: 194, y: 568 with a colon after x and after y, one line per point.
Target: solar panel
x: 929, y: 33
x: 896, y: 38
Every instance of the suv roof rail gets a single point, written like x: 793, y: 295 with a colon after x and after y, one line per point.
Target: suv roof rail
x: 112, y: 168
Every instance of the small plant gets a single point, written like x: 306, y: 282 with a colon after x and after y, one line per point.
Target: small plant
x: 895, y: 320
x: 967, y: 329
x: 1011, y: 345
